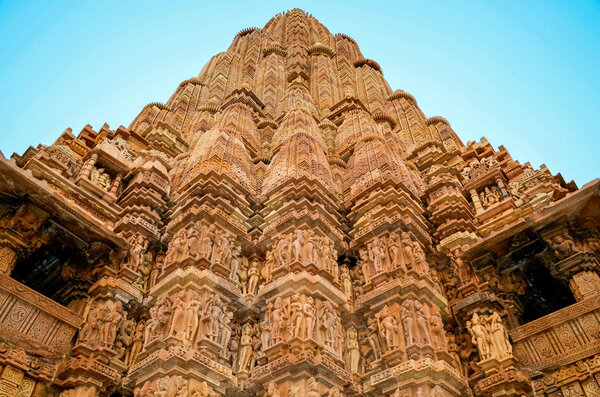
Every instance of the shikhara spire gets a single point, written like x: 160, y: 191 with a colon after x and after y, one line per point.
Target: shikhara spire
x: 287, y: 225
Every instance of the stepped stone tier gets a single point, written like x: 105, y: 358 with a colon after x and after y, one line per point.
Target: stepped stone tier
x: 287, y: 225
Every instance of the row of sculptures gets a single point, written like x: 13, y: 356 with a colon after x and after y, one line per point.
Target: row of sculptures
x: 392, y: 252
x: 411, y: 323
x: 174, y: 386
x: 201, y: 241
x: 107, y: 327
x: 490, y: 336
x: 302, y: 316
x: 308, y: 388
x: 189, y: 317
x: 303, y: 246
x: 396, y: 252
x: 178, y: 386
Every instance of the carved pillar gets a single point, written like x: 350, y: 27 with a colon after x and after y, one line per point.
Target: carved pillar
x: 8, y: 258
x: 115, y: 184
x: 476, y: 201
x: 10, y: 381
x: 89, y: 164
x: 502, y: 187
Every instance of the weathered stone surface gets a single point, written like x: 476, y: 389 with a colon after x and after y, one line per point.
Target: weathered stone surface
x: 287, y: 225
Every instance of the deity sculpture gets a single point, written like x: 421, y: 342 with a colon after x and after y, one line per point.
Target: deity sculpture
x: 272, y: 390
x: 203, y: 390
x: 235, y: 262
x: 376, y: 255
x: 100, y: 177
x: 408, y: 321
x: 312, y: 388
x: 253, y: 278
x: 139, y: 245
x: 138, y: 343
x: 407, y: 251
x: 193, y: 239
x: 162, y: 387
x: 438, y: 335
x: 562, y: 244
x: 157, y: 270
x: 499, y: 337
x: 268, y: 267
x: 181, y: 387
x: 479, y: 337
x: 373, y: 337
x: 111, y: 320
x: 346, y: 283
x: 306, y: 247
x: 388, y: 328
x: 124, y: 340
x: 296, y: 315
x: 91, y: 328
x: 246, y: 348
x: 490, y: 196
x: 490, y: 336
x: 352, y: 350
x: 177, y: 328
x: 422, y: 323
x: 177, y: 247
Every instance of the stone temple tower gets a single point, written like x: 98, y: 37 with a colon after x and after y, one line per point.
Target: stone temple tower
x: 287, y: 225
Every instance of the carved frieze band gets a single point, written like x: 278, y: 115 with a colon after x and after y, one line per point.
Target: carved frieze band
x: 36, y: 317
x: 560, y: 338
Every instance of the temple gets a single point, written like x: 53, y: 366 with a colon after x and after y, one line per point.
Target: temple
x: 287, y: 225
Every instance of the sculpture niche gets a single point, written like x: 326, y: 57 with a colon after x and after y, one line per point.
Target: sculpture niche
x: 204, y: 246
x: 395, y: 254
x: 300, y: 250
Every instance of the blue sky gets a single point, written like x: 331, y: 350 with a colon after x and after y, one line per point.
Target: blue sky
x: 524, y: 74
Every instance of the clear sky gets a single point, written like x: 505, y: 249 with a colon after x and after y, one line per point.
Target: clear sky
x: 524, y: 74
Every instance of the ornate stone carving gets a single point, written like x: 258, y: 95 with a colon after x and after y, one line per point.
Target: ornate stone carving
x: 286, y: 225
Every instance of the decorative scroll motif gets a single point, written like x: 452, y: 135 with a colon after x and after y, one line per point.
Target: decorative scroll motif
x: 559, y: 338
x: 36, y: 317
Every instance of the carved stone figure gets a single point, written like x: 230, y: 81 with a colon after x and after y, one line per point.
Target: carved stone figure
x: 181, y: 387
x: 376, y: 255
x: 268, y: 267
x: 272, y: 390
x: 111, y: 319
x: 479, y: 336
x: 136, y: 254
x: 352, y: 350
x: 177, y: 247
x: 100, y: 177
x: 500, y: 344
x: 253, y: 278
x: 203, y: 390
x: 346, y: 283
x: 373, y: 338
x: 312, y: 388
x: 91, y: 328
x: 388, y: 328
x: 408, y: 321
x: 438, y: 335
x: 246, y: 348
x: 138, y: 343
x: 422, y: 322
x: 408, y: 259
